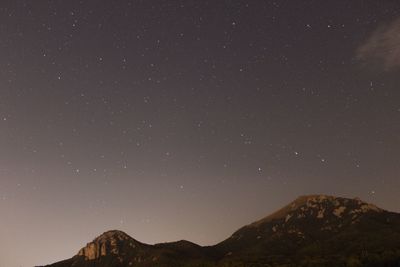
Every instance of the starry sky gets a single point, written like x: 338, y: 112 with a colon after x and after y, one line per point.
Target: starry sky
x: 184, y: 119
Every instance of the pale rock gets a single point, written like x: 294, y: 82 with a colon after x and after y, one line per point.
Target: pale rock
x: 338, y: 211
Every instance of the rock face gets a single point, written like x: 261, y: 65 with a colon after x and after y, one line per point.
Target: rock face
x: 313, y: 230
x: 106, y: 244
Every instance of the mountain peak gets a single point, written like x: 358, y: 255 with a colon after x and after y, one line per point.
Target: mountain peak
x: 320, y: 206
x: 110, y: 242
x: 315, y: 197
x: 112, y: 234
x: 314, y: 200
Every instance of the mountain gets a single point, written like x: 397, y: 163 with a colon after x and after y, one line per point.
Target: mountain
x: 116, y: 249
x: 314, y: 230
x: 318, y: 230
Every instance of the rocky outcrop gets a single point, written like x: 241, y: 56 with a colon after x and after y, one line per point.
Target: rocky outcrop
x: 106, y: 244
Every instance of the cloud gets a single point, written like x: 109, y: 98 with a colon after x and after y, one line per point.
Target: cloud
x: 382, y: 48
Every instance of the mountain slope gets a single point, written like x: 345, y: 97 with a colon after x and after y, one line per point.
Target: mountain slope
x: 315, y: 230
x: 323, y: 229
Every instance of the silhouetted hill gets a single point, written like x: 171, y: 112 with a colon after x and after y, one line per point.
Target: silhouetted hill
x: 314, y: 230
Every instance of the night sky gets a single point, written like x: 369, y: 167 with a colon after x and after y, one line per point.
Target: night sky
x: 188, y: 119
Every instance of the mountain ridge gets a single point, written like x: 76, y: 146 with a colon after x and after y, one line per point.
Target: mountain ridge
x: 312, y: 229
x: 304, y: 199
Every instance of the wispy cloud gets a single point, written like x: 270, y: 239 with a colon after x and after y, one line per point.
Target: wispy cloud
x: 382, y: 48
